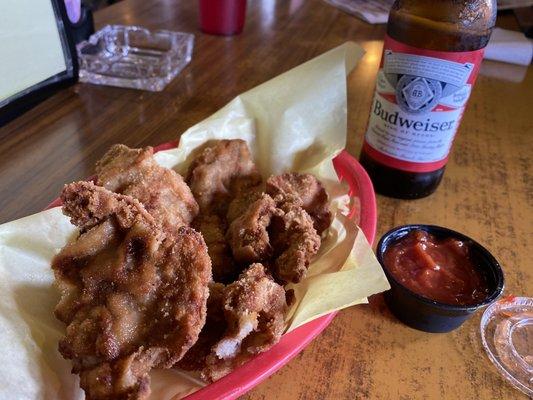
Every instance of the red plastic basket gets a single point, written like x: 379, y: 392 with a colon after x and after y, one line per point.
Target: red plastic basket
x: 265, y: 364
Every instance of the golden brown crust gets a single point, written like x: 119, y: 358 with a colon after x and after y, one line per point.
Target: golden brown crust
x: 162, y: 191
x: 87, y: 205
x: 133, y: 295
x: 254, y: 309
x: 277, y: 231
x: 248, y: 235
x: 213, y: 229
x: 135, y: 282
x: 296, y: 242
x: 246, y: 192
x: 217, y: 172
x: 214, y: 328
x: 308, y: 190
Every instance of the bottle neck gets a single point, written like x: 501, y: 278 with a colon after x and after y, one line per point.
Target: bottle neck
x: 443, y: 26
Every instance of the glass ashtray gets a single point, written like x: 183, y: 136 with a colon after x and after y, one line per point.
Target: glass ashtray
x: 507, y: 336
x: 134, y: 57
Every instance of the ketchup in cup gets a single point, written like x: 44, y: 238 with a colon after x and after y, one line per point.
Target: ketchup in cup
x: 441, y: 270
x: 438, y: 277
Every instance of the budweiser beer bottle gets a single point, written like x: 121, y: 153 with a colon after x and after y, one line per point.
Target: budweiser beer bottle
x: 431, y: 57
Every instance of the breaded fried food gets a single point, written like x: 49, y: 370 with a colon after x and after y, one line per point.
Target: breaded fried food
x: 296, y: 242
x: 214, y: 328
x: 275, y: 229
x: 248, y: 235
x: 308, y: 190
x: 245, y: 193
x: 133, y: 295
x: 218, y: 174
x: 254, y: 309
x: 162, y: 191
x: 213, y: 229
x: 218, y: 171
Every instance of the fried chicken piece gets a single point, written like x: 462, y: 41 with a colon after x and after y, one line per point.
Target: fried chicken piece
x: 125, y: 379
x: 254, y: 308
x: 162, y: 191
x: 296, y: 241
x: 133, y: 296
x: 275, y: 228
x: 248, y: 235
x: 246, y: 192
x: 213, y: 229
x: 214, y: 328
x: 217, y: 173
x: 215, y: 176
x: 308, y: 190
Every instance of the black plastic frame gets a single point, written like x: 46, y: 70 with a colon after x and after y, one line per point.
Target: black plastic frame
x: 49, y: 86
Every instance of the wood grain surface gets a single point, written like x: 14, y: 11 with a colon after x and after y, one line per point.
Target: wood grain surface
x: 487, y: 191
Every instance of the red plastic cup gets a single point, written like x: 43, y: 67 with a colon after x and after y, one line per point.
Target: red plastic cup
x: 222, y: 17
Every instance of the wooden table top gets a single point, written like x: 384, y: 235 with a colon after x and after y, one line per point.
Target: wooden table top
x: 487, y: 191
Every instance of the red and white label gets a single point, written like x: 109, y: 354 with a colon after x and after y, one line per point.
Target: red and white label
x: 419, y: 101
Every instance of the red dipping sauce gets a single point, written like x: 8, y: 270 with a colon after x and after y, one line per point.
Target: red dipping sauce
x: 438, y: 269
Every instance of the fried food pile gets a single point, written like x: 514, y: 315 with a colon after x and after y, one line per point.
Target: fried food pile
x: 174, y: 273
x: 245, y: 220
x: 133, y: 296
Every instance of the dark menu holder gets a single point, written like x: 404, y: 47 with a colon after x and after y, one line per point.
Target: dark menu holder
x: 84, y: 28
x: 32, y: 95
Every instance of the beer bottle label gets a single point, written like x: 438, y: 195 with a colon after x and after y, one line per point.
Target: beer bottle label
x: 419, y: 101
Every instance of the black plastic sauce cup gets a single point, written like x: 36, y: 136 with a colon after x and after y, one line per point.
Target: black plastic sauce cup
x: 429, y: 315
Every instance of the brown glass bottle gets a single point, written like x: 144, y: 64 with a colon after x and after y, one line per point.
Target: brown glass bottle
x: 451, y: 30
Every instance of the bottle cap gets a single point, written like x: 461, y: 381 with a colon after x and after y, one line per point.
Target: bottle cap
x: 507, y: 336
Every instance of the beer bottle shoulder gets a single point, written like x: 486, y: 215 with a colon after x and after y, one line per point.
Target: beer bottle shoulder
x: 442, y: 25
